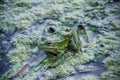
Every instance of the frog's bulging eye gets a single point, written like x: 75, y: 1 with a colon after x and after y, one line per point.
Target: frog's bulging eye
x: 67, y: 30
x: 48, y: 42
x: 51, y: 30
x: 81, y: 26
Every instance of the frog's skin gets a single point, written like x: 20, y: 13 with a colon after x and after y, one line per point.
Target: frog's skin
x: 59, y: 40
x: 55, y: 42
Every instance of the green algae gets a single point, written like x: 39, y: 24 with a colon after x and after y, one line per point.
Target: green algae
x: 21, y: 14
x: 68, y: 66
x: 113, y: 65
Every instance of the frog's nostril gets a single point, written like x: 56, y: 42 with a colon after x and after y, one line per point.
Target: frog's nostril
x: 51, y: 30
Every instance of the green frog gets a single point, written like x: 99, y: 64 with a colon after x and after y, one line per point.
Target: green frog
x: 58, y: 40
x: 55, y: 41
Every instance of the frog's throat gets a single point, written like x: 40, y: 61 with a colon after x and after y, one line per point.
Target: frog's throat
x: 59, y: 46
x: 53, y: 50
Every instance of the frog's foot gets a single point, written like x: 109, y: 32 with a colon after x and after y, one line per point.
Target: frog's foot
x: 79, y: 51
x: 55, y: 60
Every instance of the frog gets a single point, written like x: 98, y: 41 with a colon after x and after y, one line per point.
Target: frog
x: 60, y: 40
x: 54, y: 41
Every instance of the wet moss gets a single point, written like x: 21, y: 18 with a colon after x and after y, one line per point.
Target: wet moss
x: 69, y: 65
x: 21, y: 14
x: 113, y: 65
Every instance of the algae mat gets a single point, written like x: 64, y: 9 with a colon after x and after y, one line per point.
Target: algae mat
x: 23, y: 21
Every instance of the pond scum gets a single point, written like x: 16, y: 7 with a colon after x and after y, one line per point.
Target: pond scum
x: 22, y: 22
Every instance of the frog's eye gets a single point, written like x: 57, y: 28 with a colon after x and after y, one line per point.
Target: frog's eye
x: 51, y: 30
x: 48, y: 42
x: 67, y: 30
x: 81, y: 27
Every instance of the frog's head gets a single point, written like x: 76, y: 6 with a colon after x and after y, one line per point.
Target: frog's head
x: 55, y: 39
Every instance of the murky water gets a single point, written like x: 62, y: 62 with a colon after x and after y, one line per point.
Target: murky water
x: 5, y: 46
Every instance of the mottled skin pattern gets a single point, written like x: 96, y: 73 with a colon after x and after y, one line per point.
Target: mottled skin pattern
x: 60, y: 40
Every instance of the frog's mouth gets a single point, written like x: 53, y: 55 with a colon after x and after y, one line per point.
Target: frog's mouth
x: 50, y: 49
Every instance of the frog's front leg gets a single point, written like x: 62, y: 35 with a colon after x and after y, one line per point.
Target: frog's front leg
x: 58, y: 59
x: 83, y: 32
x: 76, y: 42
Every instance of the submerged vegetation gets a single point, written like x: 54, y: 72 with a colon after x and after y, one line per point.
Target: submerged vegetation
x: 113, y: 65
x: 56, y: 39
